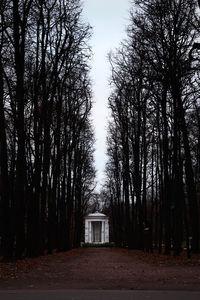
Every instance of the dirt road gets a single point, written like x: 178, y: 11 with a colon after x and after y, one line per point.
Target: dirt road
x: 103, y: 268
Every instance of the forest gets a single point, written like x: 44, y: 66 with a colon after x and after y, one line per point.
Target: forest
x: 47, y: 170
x: 153, y: 168
x: 46, y: 137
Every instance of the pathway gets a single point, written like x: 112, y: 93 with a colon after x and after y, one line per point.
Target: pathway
x: 104, y: 268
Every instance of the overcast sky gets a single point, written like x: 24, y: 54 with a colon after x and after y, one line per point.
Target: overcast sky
x: 109, y: 19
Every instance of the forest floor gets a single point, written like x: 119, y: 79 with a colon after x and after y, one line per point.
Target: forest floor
x: 102, y: 268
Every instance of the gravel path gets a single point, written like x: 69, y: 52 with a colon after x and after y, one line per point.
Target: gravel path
x: 104, y: 268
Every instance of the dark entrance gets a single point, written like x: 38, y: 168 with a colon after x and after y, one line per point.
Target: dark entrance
x: 96, y: 232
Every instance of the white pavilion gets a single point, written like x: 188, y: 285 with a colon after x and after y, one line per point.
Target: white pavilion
x: 96, y: 228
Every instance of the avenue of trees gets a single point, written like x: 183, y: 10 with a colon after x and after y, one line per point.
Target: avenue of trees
x: 46, y: 140
x: 153, y: 169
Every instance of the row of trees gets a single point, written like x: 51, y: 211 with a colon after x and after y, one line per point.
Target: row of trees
x: 46, y: 140
x: 154, y: 134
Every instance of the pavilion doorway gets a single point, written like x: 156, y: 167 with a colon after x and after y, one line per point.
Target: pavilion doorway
x: 96, y: 232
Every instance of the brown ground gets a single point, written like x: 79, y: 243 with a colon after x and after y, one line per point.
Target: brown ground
x: 102, y: 268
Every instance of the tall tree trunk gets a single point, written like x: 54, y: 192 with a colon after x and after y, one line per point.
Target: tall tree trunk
x: 166, y: 194
x: 145, y: 154
x: 5, y: 204
x: 191, y: 188
x: 19, y: 44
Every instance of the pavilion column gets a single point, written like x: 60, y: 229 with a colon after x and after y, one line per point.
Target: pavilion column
x: 103, y: 231
x: 87, y: 231
x: 90, y: 232
x: 106, y: 231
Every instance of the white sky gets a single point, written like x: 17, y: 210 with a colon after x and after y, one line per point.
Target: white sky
x: 109, y: 19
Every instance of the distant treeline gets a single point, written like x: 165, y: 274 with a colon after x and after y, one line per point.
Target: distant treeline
x: 153, y: 170
x: 46, y: 140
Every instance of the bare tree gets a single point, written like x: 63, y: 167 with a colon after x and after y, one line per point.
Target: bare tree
x: 155, y: 87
